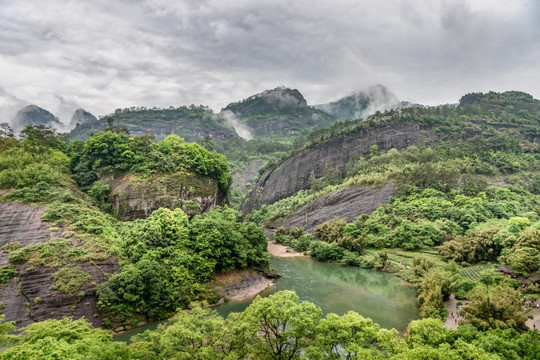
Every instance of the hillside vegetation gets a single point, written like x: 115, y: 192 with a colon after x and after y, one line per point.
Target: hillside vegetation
x: 465, y: 200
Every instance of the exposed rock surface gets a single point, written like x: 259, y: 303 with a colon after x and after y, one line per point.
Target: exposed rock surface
x: 344, y: 204
x: 190, y: 124
x: 241, y: 178
x: 242, y: 284
x: 136, y: 197
x: 30, y: 296
x: 290, y: 175
x: 22, y: 223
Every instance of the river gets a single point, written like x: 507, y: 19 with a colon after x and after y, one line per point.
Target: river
x: 335, y: 288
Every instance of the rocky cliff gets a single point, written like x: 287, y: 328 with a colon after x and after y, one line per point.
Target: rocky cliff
x: 290, y: 175
x: 242, y: 178
x: 191, y: 123
x: 136, y: 197
x: 32, y: 294
x: 343, y: 204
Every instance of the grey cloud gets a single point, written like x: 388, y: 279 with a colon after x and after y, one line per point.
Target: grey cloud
x: 108, y: 55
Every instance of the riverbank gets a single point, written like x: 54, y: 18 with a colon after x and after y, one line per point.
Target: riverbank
x: 240, y: 284
x: 282, y: 251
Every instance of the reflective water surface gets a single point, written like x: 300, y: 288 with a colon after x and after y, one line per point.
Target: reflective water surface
x: 335, y: 288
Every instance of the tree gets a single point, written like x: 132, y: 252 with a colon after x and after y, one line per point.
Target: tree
x: 44, y: 135
x: 497, y: 307
x: 115, y: 128
x: 65, y: 339
x: 524, y: 260
x: 351, y: 336
x: 426, y: 332
x: 6, y: 131
x: 207, y: 143
x: 195, y: 334
x: 284, y: 326
x: 141, y: 288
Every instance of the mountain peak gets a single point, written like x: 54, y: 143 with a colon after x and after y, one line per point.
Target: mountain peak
x: 34, y: 115
x: 81, y: 116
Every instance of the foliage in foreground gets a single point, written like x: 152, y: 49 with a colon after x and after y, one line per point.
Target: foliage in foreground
x: 277, y: 327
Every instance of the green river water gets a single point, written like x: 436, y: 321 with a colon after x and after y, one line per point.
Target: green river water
x: 335, y: 289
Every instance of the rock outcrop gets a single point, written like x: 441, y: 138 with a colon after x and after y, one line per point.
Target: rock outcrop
x: 190, y: 123
x: 290, y: 175
x: 242, y: 178
x: 343, y: 204
x: 137, y: 197
x: 31, y: 295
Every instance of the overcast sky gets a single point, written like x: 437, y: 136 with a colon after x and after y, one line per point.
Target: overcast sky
x: 106, y: 54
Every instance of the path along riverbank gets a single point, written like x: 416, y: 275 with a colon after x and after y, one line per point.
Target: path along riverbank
x: 451, y: 322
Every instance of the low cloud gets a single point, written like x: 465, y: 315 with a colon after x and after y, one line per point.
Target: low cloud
x: 242, y: 130
x: 9, y: 105
x: 110, y: 55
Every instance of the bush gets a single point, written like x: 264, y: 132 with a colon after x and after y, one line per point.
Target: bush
x: 7, y: 273
x: 70, y: 279
x: 326, y: 252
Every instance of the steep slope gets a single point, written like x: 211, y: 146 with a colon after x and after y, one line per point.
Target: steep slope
x: 192, y: 123
x: 278, y: 113
x: 136, y: 197
x: 32, y: 295
x: 34, y: 115
x: 478, y: 115
x: 344, y: 204
x: 290, y: 175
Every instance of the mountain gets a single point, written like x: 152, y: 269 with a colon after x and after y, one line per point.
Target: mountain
x: 362, y: 103
x: 192, y: 123
x: 34, y: 115
x: 277, y: 113
x: 81, y: 116
x: 493, y: 121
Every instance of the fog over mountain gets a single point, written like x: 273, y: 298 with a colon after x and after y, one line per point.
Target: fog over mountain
x: 103, y: 55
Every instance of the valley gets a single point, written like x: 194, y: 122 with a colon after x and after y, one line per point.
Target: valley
x: 166, y: 216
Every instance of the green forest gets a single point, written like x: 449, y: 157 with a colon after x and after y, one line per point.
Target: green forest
x: 463, y: 220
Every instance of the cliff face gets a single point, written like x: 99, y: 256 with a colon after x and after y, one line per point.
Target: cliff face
x: 291, y: 175
x: 192, y: 124
x: 136, y: 197
x: 242, y: 178
x: 31, y: 295
x: 343, y: 204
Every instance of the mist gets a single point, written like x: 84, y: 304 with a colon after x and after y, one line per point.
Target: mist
x: 242, y: 130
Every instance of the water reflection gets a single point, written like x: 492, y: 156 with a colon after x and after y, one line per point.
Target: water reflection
x: 338, y: 289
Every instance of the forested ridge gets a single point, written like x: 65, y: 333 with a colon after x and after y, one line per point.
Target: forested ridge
x: 461, y: 207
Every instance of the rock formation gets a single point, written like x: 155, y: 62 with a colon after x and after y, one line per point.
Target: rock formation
x: 31, y: 296
x: 290, y: 175
x: 343, y: 204
x: 137, y: 197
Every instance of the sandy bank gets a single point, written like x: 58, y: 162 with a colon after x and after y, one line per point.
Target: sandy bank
x: 278, y: 250
x: 240, y: 284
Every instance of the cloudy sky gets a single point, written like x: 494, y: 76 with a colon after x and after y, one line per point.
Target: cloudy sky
x: 107, y: 54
